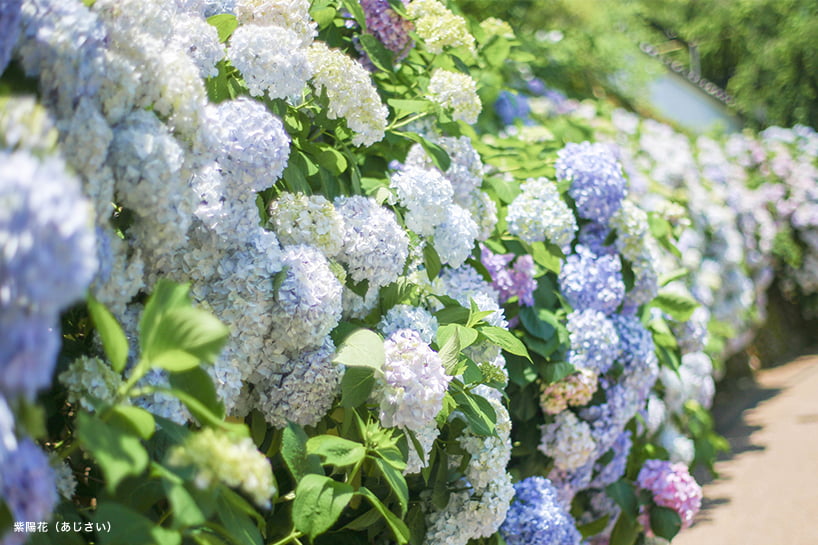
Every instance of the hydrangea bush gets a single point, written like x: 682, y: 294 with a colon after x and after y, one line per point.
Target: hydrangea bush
x: 270, y: 273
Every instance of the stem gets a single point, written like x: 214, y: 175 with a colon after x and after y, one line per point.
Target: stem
x: 408, y: 120
x: 294, y: 535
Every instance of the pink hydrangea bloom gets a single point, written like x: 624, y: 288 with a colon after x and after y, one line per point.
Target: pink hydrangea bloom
x: 672, y: 486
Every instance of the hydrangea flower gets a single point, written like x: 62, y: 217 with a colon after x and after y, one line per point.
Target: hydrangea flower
x: 454, y: 238
x: 632, y: 230
x: 464, y: 284
x: 484, y: 211
x: 426, y: 436
x: 438, y: 26
x: 417, y: 319
x: 592, y: 282
x: 597, y: 183
x: 27, y: 486
x: 222, y: 458
x: 457, y: 92
x: 270, y: 59
x: 515, y: 281
x: 299, y: 219
x: 537, y: 518
x: 635, y: 341
x: 252, y: 145
x: 200, y: 40
x: 426, y: 194
x: 575, y: 390
x: 511, y: 106
x: 594, y: 341
x: 465, y: 171
x: 299, y: 389
x: 605, y: 474
x: 10, y: 23
x: 470, y: 513
x: 88, y: 376
x: 568, y: 441
x: 489, y: 454
x: 538, y: 213
x: 389, y: 27
x: 308, y: 303
x: 375, y: 246
x: 350, y: 93
x: 413, y: 382
x: 293, y: 15
x: 672, y: 486
x: 679, y: 447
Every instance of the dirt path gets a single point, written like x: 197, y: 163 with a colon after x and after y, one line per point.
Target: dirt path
x: 767, y: 493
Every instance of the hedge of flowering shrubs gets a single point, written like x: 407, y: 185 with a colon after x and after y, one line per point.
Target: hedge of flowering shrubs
x: 269, y: 275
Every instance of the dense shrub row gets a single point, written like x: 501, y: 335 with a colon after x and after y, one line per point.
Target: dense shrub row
x: 271, y: 274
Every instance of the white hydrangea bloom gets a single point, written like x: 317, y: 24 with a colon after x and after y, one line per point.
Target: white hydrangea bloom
x: 438, y: 26
x: 299, y: 389
x: 350, y: 92
x: 252, y: 145
x: 299, y: 219
x: 223, y: 458
x: 121, y: 272
x: 293, y: 15
x: 470, y: 514
x: 308, y: 302
x: 426, y: 436
x: 92, y: 377
x: 568, y: 440
x: 426, y: 194
x: 64, y: 479
x: 413, y: 383
x: 270, y: 59
x: 200, y: 40
x: 489, y: 454
x: 375, y: 246
x: 484, y: 211
x: 465, y: 171
x: 411, y: 317
x: 356, y: 306
x: 632, y: 230
x: 86, y: 137
x: 454, y: 238
x: 538, y: 213
x: 455, y: 91
x: 680, y: 448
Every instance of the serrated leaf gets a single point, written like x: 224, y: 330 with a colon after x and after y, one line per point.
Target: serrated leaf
x: 548, y: 256
x: 236, y: 521
x: 450, y: 352
x: 225, y: 24
x: 356, y: 386
x: 133, y: 419
x: 625, y: 531
x: 504, y: 339
x: 478, y: 411
x: 378, y: 54
x: 166, y: 296
x: 335, y: 450
x: 404, y: 107
x: 431, y: 260
x: 679, y: 307
x: 356, y: 11
x: 534, y: 321
x: 362, y: 348
x: 118, y: 453
x: 466, y: 335
x: 319, y: 501
x: 554, y: 371
x: 190, y: 330
x: 113, y: 338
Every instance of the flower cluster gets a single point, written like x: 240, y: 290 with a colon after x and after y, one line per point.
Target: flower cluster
x: 438, y: 26
x: 594, y: 341
x: 221, y: 458
x: 539, y: 213
x: 89, y: 378
x: 671, y: 486
x: 387, y: 26
x: 568, y: 441
x: 597, y: 184
x: 575, y: 390
x: 299, y: 219
x: 537, y: 518
x: 592, y: 282
x: 515, y: 281
x: 456, y: 92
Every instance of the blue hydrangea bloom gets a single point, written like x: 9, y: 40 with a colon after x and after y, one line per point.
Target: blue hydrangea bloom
x: 597, y: 183
x: 537, y: 518
x: 613, y: 470
x: 594, y: 341
x: 27, y: 484
x: 511, y: 106
x: 590, y: 281
x: 10, y: 23
x: 635, y: 341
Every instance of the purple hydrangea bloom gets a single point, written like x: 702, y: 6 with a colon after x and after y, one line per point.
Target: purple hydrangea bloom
x: 26, y: 485
x: 516, y: 280
x: 594, y: 341
x: 597, y: 183
x: 590, y: 281
x: 537, y: 518
x: 10, y: 23
x: 635, y: 341
x: 612, y: 471
x: 672, y: 486
x: 388, y: 27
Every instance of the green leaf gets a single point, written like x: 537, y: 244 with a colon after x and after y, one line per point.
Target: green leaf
x: 331, y: 159
x: 378, y: 54
x: 362, y: 348
x: 186, y: 512
x: 405, y: 107
x: 504, y: 339
x: 396, y: 482
x: 294, y: 452
x: 166, y: 296
x: 466, y: 336
x: 450, y: 352
x: 624, y: 494
x: 197, y: 383
x: 356, y: 11
x: 6, y: 518
x: 323, y: 16
x: 319, y: 501
x: 127, y: 526
x: 537, y: 322
x: 118, y: 453
x: 679, y: 307
x: 552, y: 372
x: 625, y: 531
x: 236, y: 520
x: 548, y: 256
x: 113, y: 338
x: 437, y: 154
x: 665, y: 522
x: 225, y: 24
x: 398, y: 527
x: 191, y: 330
x: 133, y: 419
x: 432, y: 261
x: 335, y: 450
x: 356, y: 386
x: 478, y: 411
x: 666, y: 279
x: 175, y: 361
x: 594, y: 527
